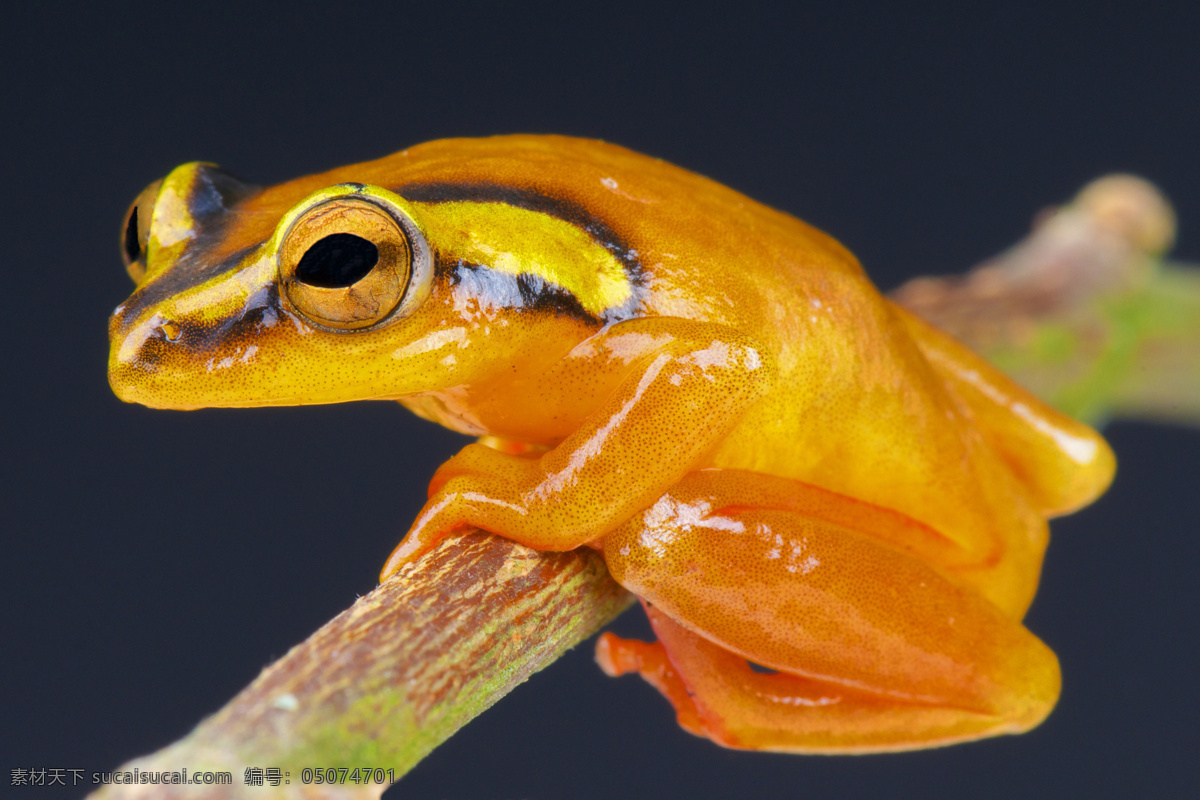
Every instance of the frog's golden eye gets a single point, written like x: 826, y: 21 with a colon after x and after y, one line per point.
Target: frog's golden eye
x: 348, y: 262
x: 135, y: 233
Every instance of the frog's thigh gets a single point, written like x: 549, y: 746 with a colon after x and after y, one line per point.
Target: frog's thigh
x: 1064, y: 463
x: 716, y: 694
x: 838, y: 606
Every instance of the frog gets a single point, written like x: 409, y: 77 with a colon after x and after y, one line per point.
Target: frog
x: 833, y: 513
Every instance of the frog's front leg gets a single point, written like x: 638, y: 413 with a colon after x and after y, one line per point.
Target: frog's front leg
x: 688, y: 383
x: 875, y: 646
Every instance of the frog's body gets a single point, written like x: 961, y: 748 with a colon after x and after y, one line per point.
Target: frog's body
x: 787, y: 466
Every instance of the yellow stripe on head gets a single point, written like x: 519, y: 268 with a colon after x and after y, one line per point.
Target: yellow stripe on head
x: 519, y: 242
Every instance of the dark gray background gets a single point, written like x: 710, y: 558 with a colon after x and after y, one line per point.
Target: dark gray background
x: 155, y: 561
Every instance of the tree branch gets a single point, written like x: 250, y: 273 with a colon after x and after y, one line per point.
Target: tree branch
x: 397, y: 673
x: 1083, y: 312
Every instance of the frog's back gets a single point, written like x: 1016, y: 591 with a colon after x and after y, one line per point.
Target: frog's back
x: 857, y: 410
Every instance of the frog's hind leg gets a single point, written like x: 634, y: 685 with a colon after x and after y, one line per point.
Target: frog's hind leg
x: 874, y: 646
x: 718, y: 695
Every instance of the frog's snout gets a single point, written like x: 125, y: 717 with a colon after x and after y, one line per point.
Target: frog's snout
x: 137, y: 354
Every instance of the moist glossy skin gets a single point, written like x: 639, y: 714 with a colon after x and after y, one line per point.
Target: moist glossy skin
x: 783, y: 465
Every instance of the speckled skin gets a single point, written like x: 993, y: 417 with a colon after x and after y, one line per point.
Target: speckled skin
x: 788, y: 467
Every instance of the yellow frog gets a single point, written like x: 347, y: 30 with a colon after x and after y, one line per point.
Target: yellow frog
x: 789, y: 470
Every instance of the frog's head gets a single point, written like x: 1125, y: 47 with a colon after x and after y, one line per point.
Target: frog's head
x: 319, y: 292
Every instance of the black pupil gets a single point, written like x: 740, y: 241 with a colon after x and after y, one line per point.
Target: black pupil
x: 337, y: 261
x: 133, y: 248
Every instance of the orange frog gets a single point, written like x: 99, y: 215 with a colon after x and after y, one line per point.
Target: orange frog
x: 788, y: 470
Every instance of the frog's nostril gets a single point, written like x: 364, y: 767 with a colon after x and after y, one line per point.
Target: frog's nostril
x: 170, y: 330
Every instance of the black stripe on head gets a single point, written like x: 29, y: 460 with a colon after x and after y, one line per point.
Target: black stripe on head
x: 507, y: 291
x: 214, y: 193
x: 186, y: 273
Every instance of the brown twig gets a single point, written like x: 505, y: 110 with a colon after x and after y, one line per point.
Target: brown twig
x: 1083, y: 312
x: 390, y: 678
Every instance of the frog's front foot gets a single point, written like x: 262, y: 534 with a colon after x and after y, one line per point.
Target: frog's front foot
x: 485, y: 488
x: 440, y: 517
